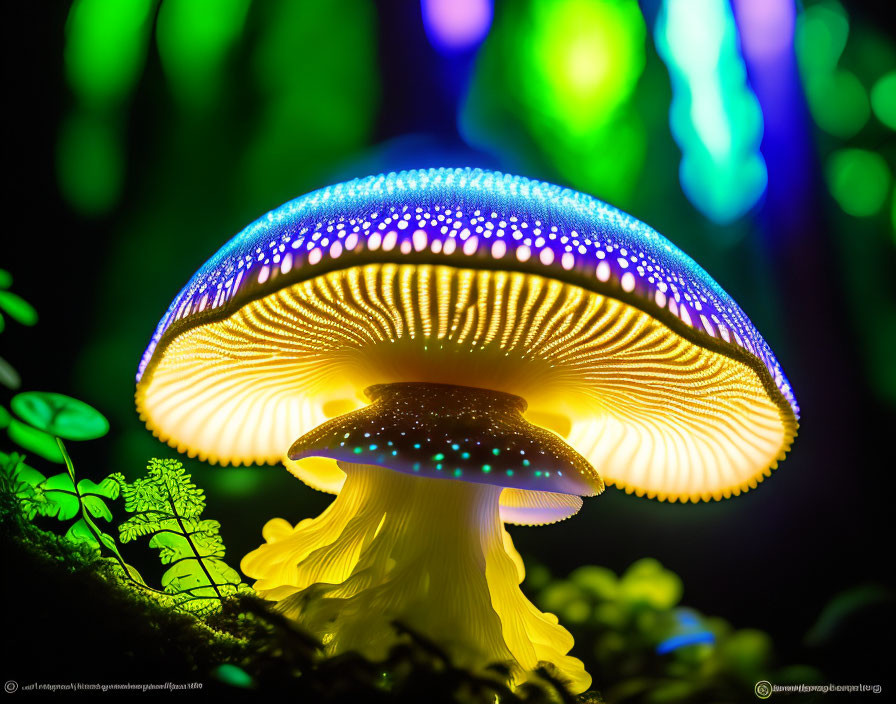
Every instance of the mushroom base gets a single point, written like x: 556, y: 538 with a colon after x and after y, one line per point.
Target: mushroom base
x: 431, y: 554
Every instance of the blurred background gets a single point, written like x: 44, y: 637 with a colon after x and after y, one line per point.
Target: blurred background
x: 758, y: 135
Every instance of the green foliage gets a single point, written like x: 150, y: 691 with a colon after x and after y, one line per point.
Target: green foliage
x: 167, y: 506
x: 45, y: 416
x: 59, y: 497
x: 34, y: 441
x: 59, y: 415
x: 642, y: 647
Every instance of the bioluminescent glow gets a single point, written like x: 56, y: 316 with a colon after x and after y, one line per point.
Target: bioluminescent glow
x: 859, y: 180
x: 456, y: 25
x: 715, y: 117
x: 194, y: 37
x: 883, y: 99
x: 584, y: 59
x: 557, y: 77
x: 690, y: 633
x: 680, y: 641
x: 573, y: 65
x: 105, y: 48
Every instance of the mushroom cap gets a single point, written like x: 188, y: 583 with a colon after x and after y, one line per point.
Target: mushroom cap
x: 617, y: 340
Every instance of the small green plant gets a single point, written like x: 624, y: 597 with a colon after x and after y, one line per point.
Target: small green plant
x: 60, y: 497
x: 45, y: 420
x: 167, y: 506
x: 644, y: 647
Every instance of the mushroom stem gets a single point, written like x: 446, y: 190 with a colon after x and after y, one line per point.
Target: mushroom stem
x: 428, y: 553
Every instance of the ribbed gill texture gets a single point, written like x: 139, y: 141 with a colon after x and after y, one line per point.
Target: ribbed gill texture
x: 651, y: 411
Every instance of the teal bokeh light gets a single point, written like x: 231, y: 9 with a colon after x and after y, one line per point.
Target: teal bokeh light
x: 715, y: 117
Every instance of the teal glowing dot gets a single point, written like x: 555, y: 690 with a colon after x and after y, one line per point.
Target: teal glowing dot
x: 509, y: 472
x: 496, y: 451
x: 486, y: 468
x: 416, y: 466
x: 526, y: 463
x: 439, y: 467
x: 537, y: 472
x: 465, y: 455
x: 457, y: 472
x: 438, y: 456
x: 394, y: 452
x: 373, y: 446
x: 455, y: 446
x: 416, y: 445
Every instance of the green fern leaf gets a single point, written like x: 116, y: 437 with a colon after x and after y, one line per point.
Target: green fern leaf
x: 146, y: 524
x: 167, y: 506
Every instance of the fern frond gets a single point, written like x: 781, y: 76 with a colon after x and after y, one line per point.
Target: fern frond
x: 167, y: 506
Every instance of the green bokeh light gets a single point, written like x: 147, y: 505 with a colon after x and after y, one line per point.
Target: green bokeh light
x: 583, y: 59
x: 89, y: 163
x: 106, y: 47
x: 838, y: 102
x: 194, y: 38
x: 553, y: 91
x: 820, y: 36
x: 883, y: 99
x: 234, y: 676
x: 859, y: 180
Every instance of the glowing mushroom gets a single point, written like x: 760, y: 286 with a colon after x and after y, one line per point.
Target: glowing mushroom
x: 439, y: 341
